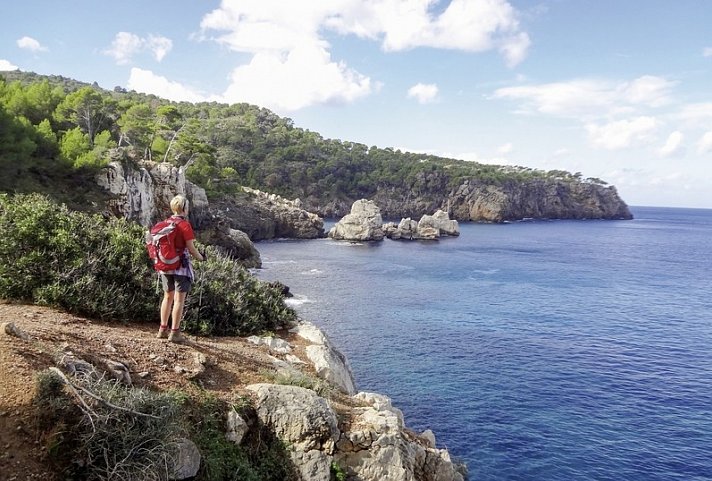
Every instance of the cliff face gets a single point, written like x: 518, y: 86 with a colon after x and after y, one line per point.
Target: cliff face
x: 144, y: 193
x: 490, y: 202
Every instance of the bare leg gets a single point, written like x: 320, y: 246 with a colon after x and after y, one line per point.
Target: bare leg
x: 166, y: 306
x: 178, y: 304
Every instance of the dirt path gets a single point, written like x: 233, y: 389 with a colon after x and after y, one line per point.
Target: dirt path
x: 231, y: 364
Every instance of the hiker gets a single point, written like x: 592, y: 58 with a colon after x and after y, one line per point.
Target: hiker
x: 177, y: 282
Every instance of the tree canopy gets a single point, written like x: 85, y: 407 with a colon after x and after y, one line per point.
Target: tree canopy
x: 57, y: 121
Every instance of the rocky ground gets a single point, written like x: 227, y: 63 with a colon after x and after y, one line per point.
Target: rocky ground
x: 229, y: 364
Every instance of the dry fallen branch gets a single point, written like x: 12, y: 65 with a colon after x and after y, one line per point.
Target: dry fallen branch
x: 96, y: 397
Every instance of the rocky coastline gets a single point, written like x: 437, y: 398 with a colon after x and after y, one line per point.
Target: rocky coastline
x: 323, y: 428
x: 477, y: 201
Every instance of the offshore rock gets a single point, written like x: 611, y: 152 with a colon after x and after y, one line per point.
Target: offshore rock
x: 430, y: 227
x: 364, y: 223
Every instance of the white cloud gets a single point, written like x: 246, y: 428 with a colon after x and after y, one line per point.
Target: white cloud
x: 505, y: 149
x: 291, y: 37
x: 126, y: 45
x: 673, y: 146
x: 160, y: 46
x: 666, y: 179
x: 622, y: 133
x: 31, y: 44
x: 6, y: 66
x: 147, y: 82
x: 306, y: 76
x: 704, y: 145
x: 590, y: 98
x: 423, y: 93
x: 562, y: 152
x: 696, y: 112
x: 707, y: 52
x: 648, y: 90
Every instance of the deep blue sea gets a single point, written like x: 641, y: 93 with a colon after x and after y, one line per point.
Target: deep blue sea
x: 543, y: 351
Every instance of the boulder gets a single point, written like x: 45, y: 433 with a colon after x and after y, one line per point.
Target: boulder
x: 304, y: 422
x: 408, y: 228
x: 11, y: 329
x: 330, y: 364
x: 377, y: 447
x: 364, y: 223
x: 446, y: 226
x: 428, y: 228
x: 187, y: 460
x: 235, y: 243
x: 237, y: 427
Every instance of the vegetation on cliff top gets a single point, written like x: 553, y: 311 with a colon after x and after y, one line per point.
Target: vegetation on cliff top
x: 57, y: 124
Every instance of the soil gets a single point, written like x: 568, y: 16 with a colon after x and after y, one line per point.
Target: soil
x: 48, y: 335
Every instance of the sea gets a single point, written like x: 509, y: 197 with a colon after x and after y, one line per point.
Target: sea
x: 540, y: 350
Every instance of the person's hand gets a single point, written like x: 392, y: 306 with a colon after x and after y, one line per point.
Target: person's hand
x: 204, y: 255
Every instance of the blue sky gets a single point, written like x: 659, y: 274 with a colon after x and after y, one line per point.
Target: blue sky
x: 620, y: 90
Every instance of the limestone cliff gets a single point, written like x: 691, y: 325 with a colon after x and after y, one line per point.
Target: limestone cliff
x: 473, y: 200
x: 142, y: 191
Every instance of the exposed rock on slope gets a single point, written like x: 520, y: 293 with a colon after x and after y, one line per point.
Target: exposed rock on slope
x: 267, y: 216
x: 474, y: 200
x: 143, y: 193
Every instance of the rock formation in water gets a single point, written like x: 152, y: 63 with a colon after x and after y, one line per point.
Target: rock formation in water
x: 364, y: 223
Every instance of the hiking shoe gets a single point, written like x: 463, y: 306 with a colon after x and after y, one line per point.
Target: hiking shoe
x: 162, y: 333
x: 177, y: 337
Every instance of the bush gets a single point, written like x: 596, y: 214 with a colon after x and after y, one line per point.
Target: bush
x: 260, y: 457
x: 100, y: 442
x: 94, y: 440
x: 227, y: 300
x: 99, y: 268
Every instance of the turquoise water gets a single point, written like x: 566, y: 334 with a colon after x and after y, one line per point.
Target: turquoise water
x: 559, y: 350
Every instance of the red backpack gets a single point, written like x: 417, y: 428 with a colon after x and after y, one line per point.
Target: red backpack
x: 161, y: 246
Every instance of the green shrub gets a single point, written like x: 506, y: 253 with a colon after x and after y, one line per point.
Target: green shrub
x: 99, y: 268
x: 227, y: 300
x: 260, y: 457
x: 82, y: 263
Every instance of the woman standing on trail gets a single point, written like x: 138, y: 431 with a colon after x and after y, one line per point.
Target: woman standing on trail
x: 177, y: 283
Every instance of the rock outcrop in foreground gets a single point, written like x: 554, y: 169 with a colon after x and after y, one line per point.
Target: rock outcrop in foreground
x: 329, y: 425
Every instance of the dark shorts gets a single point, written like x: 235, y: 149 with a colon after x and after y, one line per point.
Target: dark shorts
x: 171, y: 281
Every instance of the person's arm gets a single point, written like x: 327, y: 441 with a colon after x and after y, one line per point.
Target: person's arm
x: 190, y: 245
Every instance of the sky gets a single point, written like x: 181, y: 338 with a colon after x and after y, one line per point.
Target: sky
x: 617, y: 90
